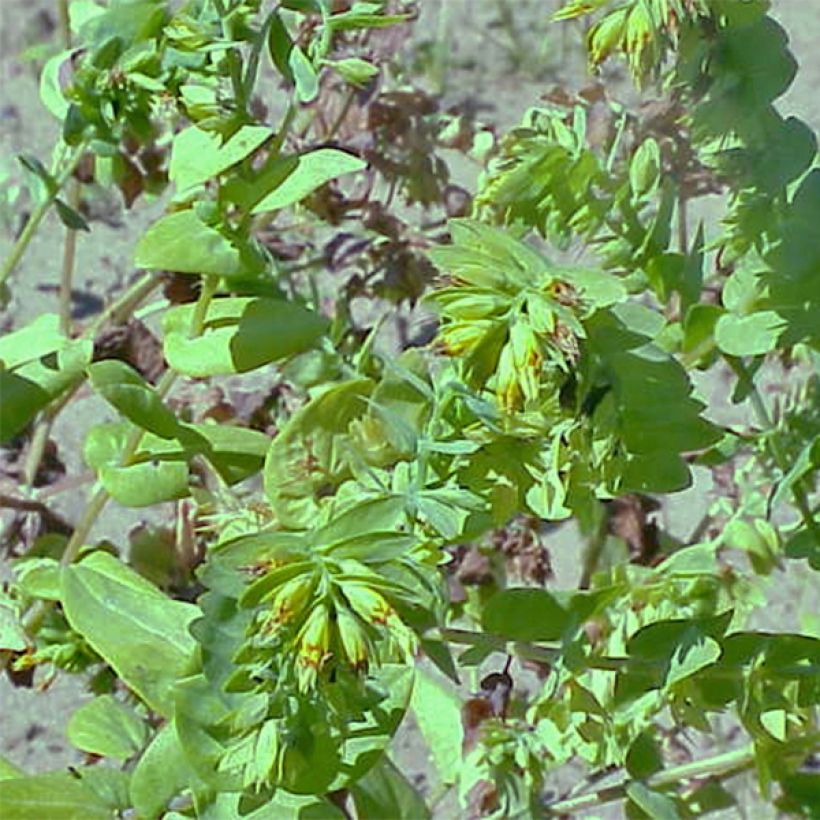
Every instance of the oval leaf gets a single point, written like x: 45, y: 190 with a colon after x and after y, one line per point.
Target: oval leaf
x: 525, y: 614
x: 141, y: 633
x: 107, y: 727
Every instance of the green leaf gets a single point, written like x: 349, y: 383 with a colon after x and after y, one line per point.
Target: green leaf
x: 525, y: 614
x: 304, y: 75
x: 247, y: 190
x: 161, y: 773
x: 109, y: 784
x: 658, y: 806
x: 123, y: 387
x: 138, y: 630
x: 385, y: 792
x: 645, y: 169
x: 183, y: 243
x: 752, y: 335
x: 437, y: 710
x: 280, y: 46
x: 107, y: 727
x: 51, y: 93
x: 354, y: 70
x: 644, y: 757
x: 239, y: 335
x: 54, y: 795
x: 197, y: 155
x: 312, y: 171
x: 12, y: 634
x: 69, y: 217
x: 34, y: 340
x: 363, y: 17
x: 35, y: 167
x: 8, y: 771
x: 29, y: 388
x: 317, y: 433
x: 146, y: 483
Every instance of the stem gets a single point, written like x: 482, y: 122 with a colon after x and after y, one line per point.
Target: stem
x: 720, y: 767
x: 36, y: 217
x: 801, y: 500
x: 124, y: 304
x: 70, y: 242
x: 594, y: 548
x: 69, y: 255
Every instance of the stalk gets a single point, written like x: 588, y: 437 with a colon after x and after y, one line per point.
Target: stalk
x: 718, y: 767
x: 36, y: 217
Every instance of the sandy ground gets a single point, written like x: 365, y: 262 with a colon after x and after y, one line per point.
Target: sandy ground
x: 504, y: 76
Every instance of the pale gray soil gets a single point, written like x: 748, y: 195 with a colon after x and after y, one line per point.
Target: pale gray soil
x: 504, y: 71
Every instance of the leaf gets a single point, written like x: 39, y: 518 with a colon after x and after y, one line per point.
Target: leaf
x: 525, y: 614
x: 385, y: 792
x: 72, y: 219
x: 139, y: 631
x: 240, y: 334
x: 109, y: 784
x: 146, y: 483
x: 354, y: 70
x: 30, y: 387
x: 107, y: 727
x: 54, y: 795
x: 12, y: 634
x: 304, y: 75
x: 197, y: 155
x: 51, y: 93
x: 356, y: 18
x: 123, y: 387
x: 315, y: 435
x: 280, y: 46
x: 312, y: 171
x: 753, y: 335
x: 183, y: 243
x: 34, y: 340
x: 645, y: 169
x: 35, y: 167
x: 657, y: 805
x: 161, y: 773
x: 8, y: 771
x: 437, y: 710
x: 644, y: 756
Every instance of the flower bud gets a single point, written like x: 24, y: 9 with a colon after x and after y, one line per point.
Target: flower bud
x: 290, y: 599
x: 353, y: 638
x: 313, y: 644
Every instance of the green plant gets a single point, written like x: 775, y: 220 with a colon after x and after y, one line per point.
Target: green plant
x: 372, y: 531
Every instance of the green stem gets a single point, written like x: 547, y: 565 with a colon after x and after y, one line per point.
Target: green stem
x: 718, y: 767
x: 801, y: 499
x: 69, y: 256
x: 36, y: 217
x: 122, y: 307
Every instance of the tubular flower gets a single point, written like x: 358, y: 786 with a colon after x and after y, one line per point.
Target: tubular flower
x: 352, y: 636
x: 372, y: 607
x: 290, y: 600
x: 313, y: 645
x: 460, y: 338
x: 527, y: 358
